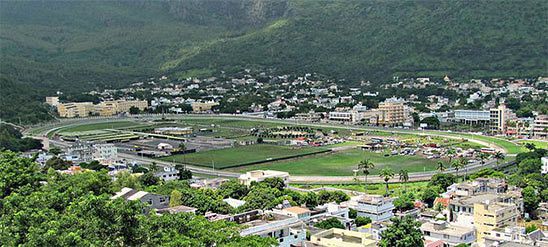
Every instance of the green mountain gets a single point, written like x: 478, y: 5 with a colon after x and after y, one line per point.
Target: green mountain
x: 72, y: 46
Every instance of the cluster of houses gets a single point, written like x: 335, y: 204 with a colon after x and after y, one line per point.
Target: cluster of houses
x: 339, y: 102
x: 482, y: 212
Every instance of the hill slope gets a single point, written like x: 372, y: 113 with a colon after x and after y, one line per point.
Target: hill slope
x: 78, y: 45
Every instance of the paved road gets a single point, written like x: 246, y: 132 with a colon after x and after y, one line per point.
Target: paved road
x: 43, y: 131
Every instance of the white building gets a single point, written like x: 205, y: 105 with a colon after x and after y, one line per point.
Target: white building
x: 544, y: 165
x: 289, y: 231
x: 451, y: 234
x: 105, y: 153
x: 261, y: 175
x: 376, y: 207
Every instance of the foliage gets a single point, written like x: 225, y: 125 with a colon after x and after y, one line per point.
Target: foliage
x: 337, y: 196
x: 442, y: 180
x: 531, y: 228
x: 531, y: 199
x: 17, y: 175
x: 329, y: 223
x: 57, y: 164
x: 429, y: 195
x: 361, y: 221
x: 11, y: 139
x: 93, y: 165
x: 352, y: 213
x: 404, y: 202
x: 148, y: 179
x: 487, y: 173
x: 404, y: 232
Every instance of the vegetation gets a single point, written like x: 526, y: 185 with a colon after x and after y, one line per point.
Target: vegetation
x: 329, y: 223
x: 11, y: 139
x: 81, y: 45
x: 76, y: 210
x: 404, y: 232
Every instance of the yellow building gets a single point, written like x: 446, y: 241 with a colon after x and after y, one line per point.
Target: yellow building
x: 75, y: 109
x: 491, y: 215
x: 110, y: 108
x: 53, y: 101
x: 335, y: 237
x: 203, y: 106
x: 391, y: 113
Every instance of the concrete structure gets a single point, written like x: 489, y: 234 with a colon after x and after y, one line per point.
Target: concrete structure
x: 261, y: 175
x: 544, y: 161
x: 71, y: 110
x: 111, y: 108
x: 235, y: 203
x: 376, y: 207
x: 177, y: 209
x: 481, y: 185
x: 499, y: 116
x: 516, y: 235
x: 462, y: 209
x: 392, y: 113
x: 79, y: 152
x: 289, y: 231
x: 540, y: 126
x: 309, y: 116
x: 202, y: 106
x: 472, y: 116
x: 168, y: 174
x: 152, y: 200
x: 450, y: 234
x: 105, y: 153
x: 489, y: 215
x: 335, y: 237
x: 341, y: 116
x: 176, y: 131
x: 297, y: 212
x: 52, y: 101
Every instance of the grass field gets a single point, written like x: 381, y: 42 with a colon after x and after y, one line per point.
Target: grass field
x: 538, y: 144
x: 99, y: 126
x: 377, y: 189
x: 342, y: 163
x: 230, y: 157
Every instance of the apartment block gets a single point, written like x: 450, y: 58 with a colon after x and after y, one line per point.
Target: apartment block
x: 75, y: 109
x: 540, y: 126
x: 490, y: 215
x: 376, y: 207
x: 391, y: 113
x: 451, y: 234
x: 110, y: 108
x: 289, y: 231
x: 52, y: 101
x: 499, y: 116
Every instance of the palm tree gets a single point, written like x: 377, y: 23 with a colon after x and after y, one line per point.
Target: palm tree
x: 364, y: 166
x: 386, y: 174
x: 483, y: 157
x: 404, y: 177
x: 441, y: 167
x: 457, y: 165
x: 451, y: 152
x: 499, y: 156
x: 463, y: 163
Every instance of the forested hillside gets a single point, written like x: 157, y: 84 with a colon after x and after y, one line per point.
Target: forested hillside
x: 70, y: 46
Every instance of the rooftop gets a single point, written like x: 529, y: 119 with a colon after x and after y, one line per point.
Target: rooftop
x: 297, y: 210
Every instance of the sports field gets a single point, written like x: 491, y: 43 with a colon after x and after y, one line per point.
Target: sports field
x: 99, y: 126
x: 231, y: 157
x: 342, y: 163
x: 538, y: 144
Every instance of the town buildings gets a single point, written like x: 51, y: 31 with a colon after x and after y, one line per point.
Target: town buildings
x: 261, y: 175
x: 540, y: 126
x: 451, y: 234
x: 376, y: 207
x: 105, y: 108
x: 335, y: 237
x: 490, y: 215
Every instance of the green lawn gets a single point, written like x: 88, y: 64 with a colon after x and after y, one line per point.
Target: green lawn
x: 342, y: 163
x: 99, y: 126
x: 538, y: 144
x: 230, y: 157
x: 377, y: 188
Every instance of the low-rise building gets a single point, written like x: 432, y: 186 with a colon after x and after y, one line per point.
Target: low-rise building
x: 203, y: 106
x: 540, y: 126
x: 516, y: 235
x: 261, y: 175
x: 376, y: 207
x: 335, y: 237
x: 152, y: 200
x: 451, y: 234
x: 289, y: 231
x: 75, y: 109
x: 105, y: 152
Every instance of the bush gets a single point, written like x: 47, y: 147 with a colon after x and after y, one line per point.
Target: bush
x: 329, y: 223
x: 360, y: 220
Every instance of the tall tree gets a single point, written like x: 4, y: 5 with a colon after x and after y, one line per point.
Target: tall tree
x: 404, y: 232
x: 386, y: 174
x: 404, y: 176
x: 499, y: 156
x: 364, y: 166
x: 440, y: 167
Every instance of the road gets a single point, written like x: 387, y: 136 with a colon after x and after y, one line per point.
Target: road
x: 43, y: 131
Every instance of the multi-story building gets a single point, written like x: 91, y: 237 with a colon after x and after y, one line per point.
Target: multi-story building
x: 392, y: 113
x: 490, y: 215
x: 544, y: 161
x: 472, y: 116
x: 515, y: 235
x: 110, y: 108
x: 498, y: 117
x: 261, y: 175
x: 202, y: 106
x: 289, y: 231
x: 341, y: 116
x: 376, y: 207
x: 540, y: 126
x: 152, y: 200
x: 105, y: 152
x: 75, y: 109
x: 451, y: 234
x: 52, y: 101
x: 462, y: 208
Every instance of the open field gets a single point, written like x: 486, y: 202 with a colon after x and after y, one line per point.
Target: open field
x: 377, y: 189
x: 343, y: 163
x: 99, y: 126
x: 231, y: 157
x: 510, y: 147
x: 538, y: 144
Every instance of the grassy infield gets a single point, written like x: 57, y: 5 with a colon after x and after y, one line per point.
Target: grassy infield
x: 335, y: 164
